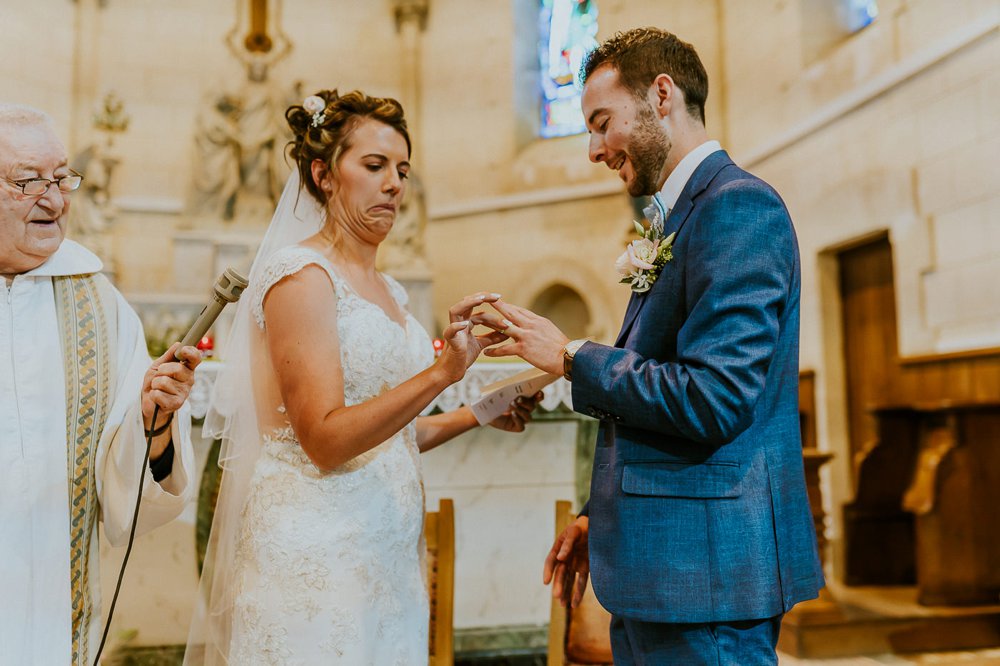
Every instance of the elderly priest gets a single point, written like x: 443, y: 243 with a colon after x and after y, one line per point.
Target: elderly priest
x: 77, y: 396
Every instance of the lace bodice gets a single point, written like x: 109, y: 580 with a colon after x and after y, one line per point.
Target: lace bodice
x: 329, y: 566
x: 376, y: 352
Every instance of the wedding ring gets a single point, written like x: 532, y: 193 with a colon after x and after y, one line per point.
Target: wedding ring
x: 504, y: 331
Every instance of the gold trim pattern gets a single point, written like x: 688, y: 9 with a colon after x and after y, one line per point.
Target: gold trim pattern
x: 85, y: 357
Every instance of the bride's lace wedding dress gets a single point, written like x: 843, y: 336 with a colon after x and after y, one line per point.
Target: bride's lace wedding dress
x: 329, y: 566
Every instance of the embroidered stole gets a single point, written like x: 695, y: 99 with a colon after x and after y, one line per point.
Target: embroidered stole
x: 87, y: 359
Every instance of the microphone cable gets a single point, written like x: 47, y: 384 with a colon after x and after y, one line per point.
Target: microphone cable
x: 227, y: 289
x: 131, y: 535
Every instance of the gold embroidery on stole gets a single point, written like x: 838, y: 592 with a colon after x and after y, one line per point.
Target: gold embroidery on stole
x: 84, y: 332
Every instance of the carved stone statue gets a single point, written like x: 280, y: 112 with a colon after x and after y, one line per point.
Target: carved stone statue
x: 403, y: 254
x: 239, y: 138
x: 216, y: 169
x: 93, y: 211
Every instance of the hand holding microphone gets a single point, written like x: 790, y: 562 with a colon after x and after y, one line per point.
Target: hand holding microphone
x: 228, y: 289
x: 165, y: 387
x: 169, y: 380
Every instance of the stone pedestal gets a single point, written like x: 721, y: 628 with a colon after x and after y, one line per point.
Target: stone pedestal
x: 419, y: 287
x: 201, y: 256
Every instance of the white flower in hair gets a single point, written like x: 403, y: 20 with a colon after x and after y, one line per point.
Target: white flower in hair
x: 315, y: 105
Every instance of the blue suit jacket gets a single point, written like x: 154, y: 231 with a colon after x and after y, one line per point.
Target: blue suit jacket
x: 698, y: 507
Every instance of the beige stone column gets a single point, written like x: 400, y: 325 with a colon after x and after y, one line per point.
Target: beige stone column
x: 411, y: 19
x: 403, y: 255
x: 86, y: 70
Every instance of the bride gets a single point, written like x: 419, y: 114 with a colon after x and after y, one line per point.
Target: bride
x: 316, y: 553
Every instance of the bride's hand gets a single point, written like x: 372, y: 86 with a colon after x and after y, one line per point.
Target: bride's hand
x: 462, y: 348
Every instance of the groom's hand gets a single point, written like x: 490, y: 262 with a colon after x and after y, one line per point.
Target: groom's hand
x: 533, y: 337
x: 567, y: 566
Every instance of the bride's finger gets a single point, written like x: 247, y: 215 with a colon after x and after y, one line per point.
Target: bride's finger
x: 488, y: 319
x: 463, y: 308
x: 452, y: 329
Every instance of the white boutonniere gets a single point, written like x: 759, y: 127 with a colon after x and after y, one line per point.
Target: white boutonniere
x: 643, y: 259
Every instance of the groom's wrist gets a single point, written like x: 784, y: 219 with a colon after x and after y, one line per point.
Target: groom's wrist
x: 568, y: 354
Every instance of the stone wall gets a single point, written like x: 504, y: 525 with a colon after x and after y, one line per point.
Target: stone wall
x: 894, y: 129
x: 510, y: 212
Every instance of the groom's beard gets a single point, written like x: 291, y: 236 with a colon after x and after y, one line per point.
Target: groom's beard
x: 648, y: 148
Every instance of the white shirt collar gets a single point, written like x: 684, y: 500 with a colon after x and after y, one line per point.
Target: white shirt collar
x: 70, y: 259
x: 681, y: 174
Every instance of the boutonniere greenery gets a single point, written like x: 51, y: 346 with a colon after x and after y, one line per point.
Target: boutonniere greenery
x: 643, y: 259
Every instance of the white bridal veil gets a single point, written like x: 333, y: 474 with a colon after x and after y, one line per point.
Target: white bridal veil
x: 232, y: 417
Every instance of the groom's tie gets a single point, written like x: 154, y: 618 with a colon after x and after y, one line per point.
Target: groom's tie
x: 656, y: 213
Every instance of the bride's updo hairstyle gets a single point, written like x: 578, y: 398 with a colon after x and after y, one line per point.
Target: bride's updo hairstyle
x: 325, y: 134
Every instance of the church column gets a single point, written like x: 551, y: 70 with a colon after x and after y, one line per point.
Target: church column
x: 403, y: 255
x: 86, y: 70
x: 411, y: 19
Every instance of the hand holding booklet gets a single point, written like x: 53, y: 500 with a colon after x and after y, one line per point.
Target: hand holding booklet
x: 496, y: 397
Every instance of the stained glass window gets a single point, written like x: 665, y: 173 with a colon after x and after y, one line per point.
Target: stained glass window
x: 856, y: 14
x: 568, y: 31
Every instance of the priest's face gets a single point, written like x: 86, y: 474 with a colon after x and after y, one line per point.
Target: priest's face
x: 625, y: 133
x: 31, y: 227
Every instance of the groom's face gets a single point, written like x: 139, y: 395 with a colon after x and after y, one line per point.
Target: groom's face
x: 625, y: 132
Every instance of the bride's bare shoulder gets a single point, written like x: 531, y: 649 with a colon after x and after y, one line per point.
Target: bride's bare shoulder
x: 294, y: 274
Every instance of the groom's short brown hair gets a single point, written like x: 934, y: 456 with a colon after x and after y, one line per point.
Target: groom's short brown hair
x: 641, y: 54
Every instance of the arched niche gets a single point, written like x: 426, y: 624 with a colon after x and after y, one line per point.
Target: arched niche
x: 560, y: 284
x: 566, y: 308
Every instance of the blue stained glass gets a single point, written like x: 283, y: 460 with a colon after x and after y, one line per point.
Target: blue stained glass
x: 857, y: 14
x: 568, y: 31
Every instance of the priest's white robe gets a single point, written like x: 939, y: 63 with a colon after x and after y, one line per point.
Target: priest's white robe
x: 35, y: 585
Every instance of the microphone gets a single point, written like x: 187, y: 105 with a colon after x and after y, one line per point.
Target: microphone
x: 227, y: 289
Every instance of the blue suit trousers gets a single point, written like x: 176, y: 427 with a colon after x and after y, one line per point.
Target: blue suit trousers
x: 742, y: 643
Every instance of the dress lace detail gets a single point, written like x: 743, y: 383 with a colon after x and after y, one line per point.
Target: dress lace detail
x: 330, y: 566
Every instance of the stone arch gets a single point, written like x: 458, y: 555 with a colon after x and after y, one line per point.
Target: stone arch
x: 565, y: 307
x: 574, y: 287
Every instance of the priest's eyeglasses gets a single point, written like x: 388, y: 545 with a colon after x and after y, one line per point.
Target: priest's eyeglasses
x: 36, y: 187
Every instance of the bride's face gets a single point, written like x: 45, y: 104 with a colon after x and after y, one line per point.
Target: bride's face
x: 367, y: 186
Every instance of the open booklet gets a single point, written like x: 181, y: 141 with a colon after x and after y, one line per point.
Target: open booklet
x: 497, y: 396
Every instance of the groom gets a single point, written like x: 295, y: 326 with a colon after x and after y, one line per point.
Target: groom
x: 698, y: 530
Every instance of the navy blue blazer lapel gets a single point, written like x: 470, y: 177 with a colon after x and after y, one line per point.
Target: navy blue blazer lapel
x: 698, y: 183
x: 634, y: 305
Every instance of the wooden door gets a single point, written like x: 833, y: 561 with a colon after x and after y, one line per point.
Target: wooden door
x: 871, y: 363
